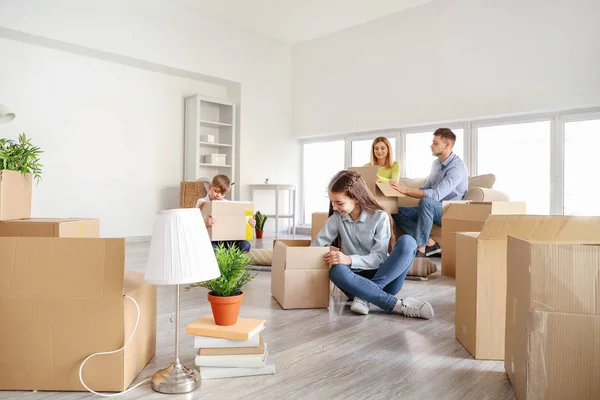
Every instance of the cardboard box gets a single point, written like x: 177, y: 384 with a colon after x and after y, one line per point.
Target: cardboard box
x: 61, y: 299
x: 51, y: 227
x: 318, y: 222
x: 386, y: 196
x: 15, y: 195
x: 190, y: 192
x: 299, y: 275
x: 230, y: 219
x: 481, y: 273
x: 553, y: 320
x: 468, y: 217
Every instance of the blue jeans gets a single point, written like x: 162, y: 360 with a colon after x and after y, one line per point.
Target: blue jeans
x: 378, y: 286
x: 418, y: 221
x: 243, y: 245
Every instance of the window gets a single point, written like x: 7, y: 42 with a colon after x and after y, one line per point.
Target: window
x: 519, y: 156
x: 321, y: 162
x: 361, y: 151
x: 418, y: 153
x: 581, y: 193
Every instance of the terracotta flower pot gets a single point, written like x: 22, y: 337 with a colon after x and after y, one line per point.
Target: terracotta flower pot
x: 259, y: 234
x: 225, y: 308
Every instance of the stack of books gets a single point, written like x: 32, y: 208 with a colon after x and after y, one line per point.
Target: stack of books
x: 230, y: 351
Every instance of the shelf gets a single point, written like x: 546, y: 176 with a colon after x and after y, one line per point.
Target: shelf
x: 207, y: 144
x: 214, y: 165
x: 214, y: 124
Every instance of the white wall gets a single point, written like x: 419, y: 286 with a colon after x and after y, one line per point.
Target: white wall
x: 447, y: 60
x: 61, y: 96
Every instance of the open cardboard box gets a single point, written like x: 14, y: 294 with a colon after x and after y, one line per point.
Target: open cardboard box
x: 299, y: 275
x: 464, y: 216
x: 384, y: 193
x: 61, y: 299
x: 230, y: 219
x: 481, y: 276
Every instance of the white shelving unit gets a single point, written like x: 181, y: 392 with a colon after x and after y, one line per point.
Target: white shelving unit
x: 208, y: 116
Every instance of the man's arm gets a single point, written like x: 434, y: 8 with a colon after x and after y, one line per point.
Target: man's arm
x: 452, y: 179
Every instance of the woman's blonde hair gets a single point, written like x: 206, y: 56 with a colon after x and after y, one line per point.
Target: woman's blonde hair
x: 389, y: 159
x: 351, y: 184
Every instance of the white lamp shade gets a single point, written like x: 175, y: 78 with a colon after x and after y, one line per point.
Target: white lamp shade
x: 5, y: 114
x: 180, y: 249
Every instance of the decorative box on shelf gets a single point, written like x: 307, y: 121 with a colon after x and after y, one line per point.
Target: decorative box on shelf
x: 207, y: 138
x: 218, y: 159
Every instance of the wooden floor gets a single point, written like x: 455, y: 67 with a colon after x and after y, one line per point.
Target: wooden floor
x: 328, y: 354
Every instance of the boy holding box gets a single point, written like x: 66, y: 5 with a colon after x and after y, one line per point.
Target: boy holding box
x: 217, y: 190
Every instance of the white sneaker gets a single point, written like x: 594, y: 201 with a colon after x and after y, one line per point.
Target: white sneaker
x: 360, y: 306
x: 414, y: 308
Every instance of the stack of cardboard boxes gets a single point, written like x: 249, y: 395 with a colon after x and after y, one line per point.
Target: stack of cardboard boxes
x: 61, y: 299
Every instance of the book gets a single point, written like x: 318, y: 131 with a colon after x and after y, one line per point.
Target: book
x: 243, y: 329
x: 260, y: 349
x: 227, y: 372
x: 207, y: 342
x: 232, y: 360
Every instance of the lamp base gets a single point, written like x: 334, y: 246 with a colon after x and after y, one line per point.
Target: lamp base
x: 176, y: 378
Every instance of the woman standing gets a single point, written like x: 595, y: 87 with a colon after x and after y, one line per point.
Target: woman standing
x: 381, y: 155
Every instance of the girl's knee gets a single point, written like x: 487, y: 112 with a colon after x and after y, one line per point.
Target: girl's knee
x: 407, y: 242
x: 336, y: 272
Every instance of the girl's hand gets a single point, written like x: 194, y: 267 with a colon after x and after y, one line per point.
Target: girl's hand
x: 337, y: 257
x: 252, y: 222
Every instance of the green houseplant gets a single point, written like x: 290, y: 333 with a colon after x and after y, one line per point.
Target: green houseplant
x: 225, y: 292
x: 21, y: 156
x: 260, y: 224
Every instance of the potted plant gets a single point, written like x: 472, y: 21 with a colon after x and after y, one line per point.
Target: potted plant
x: 225, y: 292
x: 260, y: 224
x: 21, y: 156
x: 19, y: 163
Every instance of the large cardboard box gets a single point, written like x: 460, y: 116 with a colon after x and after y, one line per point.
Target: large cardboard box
x: 318, y: 222
x: 481, y: 273
x: 386, y: 196
x: 61, y: 299
x: 230, y: 219
x: 51, y: 227
x: 15, y: 195
x: 468, y: 217
x: 190, y: 192
x: 299, y: 275
x: 553, y: 320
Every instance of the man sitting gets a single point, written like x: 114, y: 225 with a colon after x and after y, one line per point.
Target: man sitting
x: 447, y: 181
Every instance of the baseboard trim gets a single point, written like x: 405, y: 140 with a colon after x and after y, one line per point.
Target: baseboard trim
x: 137, y: 239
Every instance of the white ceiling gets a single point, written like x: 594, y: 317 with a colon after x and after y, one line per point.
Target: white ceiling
x: 293, y: 21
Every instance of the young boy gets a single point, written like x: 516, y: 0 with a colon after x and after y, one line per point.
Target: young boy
x: 217, y: 190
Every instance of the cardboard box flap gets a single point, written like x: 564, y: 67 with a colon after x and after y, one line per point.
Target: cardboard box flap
x: 297, y: 254
x: 555, y: 276
x: 387, y: 190
x: 547, y: 227
x: 480, y: 211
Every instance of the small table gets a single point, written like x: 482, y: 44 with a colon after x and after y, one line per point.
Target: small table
x: 277, y: 189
